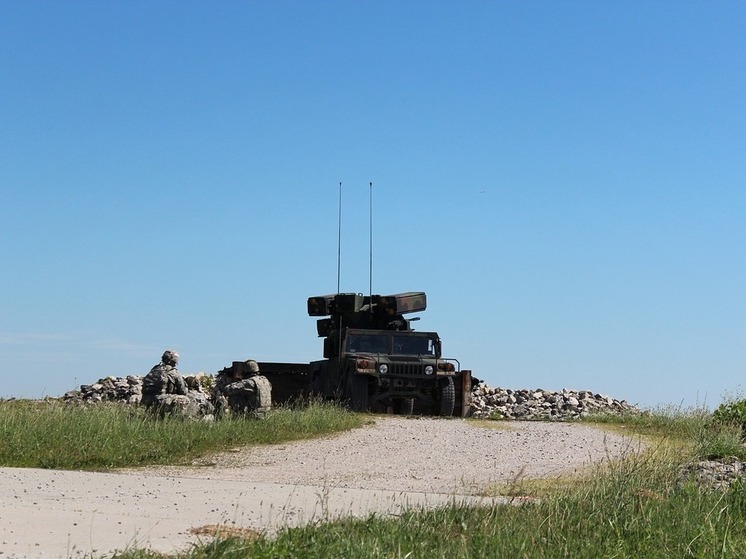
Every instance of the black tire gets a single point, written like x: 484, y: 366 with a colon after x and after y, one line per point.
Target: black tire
x: 404, y: 406
x: 447, y: 397
x: 357, y: 392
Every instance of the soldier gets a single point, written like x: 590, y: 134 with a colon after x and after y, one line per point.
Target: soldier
x: 251, y: 395
x: 163, y: 388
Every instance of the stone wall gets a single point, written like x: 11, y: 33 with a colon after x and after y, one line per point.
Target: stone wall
x: 542, y: 404
x: 129, y: 390
x: 110, y: 389
x: 486, y: 401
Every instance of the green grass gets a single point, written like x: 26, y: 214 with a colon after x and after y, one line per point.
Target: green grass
x: 695, y: 430
x: 52, y: 434
x: 664, y: 422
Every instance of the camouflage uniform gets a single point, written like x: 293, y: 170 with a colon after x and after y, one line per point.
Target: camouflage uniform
x: 163, y: 388
x: 249, y: 396
x: 222, y: 379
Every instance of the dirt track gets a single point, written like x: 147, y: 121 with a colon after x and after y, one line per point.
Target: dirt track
x: 392, y: 464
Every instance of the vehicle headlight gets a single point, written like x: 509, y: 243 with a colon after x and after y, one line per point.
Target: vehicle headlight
x: 429, y: 370
x: 383, y: 368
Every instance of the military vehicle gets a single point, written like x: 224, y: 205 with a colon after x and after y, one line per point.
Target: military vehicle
x: 374, y: 360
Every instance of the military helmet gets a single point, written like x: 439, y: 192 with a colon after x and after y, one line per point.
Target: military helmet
x: 253, y: 367
x: 170, y: 357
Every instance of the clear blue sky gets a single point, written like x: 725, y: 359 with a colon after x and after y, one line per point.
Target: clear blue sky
x: 565, y: 180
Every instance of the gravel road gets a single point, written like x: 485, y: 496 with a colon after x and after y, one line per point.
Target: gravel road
x: 390, y: 464
x: 419, y: 454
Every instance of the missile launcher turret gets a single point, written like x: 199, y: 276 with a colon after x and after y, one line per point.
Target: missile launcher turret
x: 353, y: 310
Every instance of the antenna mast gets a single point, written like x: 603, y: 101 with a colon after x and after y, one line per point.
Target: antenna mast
x: 370, y: 248
x: 339, y: 237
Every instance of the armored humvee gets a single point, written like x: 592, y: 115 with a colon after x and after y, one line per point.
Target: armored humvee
x: 375, y: 361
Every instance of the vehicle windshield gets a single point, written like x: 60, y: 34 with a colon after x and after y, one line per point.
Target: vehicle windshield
x: 413, y: 345
x: 367, y: 343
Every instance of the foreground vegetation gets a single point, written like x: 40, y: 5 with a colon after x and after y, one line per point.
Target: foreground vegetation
x: 636, y: 507
x: 52, y: 434
x: 634, y: 512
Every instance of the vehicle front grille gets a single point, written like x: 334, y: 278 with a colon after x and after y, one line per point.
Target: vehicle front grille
x: 406, y: 369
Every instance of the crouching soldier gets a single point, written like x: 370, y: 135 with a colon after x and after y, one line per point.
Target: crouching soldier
x: 163, y: 389
x: 243, y: 390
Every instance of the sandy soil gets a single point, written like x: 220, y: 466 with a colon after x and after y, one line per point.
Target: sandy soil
x: 392, y: 464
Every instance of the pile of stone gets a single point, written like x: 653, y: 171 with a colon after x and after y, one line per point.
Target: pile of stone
x: 487, y: 402
x: 129, y: 390
x: 714, y: 474
x: 504, y: 403
x: 110, y: 389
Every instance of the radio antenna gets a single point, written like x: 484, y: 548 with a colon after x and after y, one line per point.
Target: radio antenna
x: 339, y: 237
x: 339, y: 260
x: 370, y: 248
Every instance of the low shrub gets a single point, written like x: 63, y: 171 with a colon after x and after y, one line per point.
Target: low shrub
x: 733, y: 412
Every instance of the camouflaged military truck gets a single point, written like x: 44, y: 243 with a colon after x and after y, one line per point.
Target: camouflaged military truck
x: 374, y: 360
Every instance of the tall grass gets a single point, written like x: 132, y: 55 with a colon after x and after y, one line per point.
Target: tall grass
x: 52, y: 434
x: 671, y: 422
x: 695, y: 429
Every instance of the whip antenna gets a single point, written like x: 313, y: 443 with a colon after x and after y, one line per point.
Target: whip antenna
x: 370, y: 248
x: 339, y: 236
x: 339, y: 259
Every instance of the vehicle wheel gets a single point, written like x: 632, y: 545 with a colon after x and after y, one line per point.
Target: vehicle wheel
x: 447, y: 397
x: 404, y: 406
x: 357, y: 392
